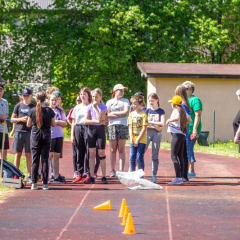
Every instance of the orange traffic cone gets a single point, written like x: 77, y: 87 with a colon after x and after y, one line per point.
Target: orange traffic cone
x: 129, y: 228
x: 104, y: 206
x: 124, y: 220
x: 122, y: 209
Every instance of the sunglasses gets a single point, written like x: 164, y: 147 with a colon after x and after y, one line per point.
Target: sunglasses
x: 186, y: 88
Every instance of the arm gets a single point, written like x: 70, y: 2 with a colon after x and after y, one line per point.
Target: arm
x: 174, y: 119
x: 72, y: 131
x: 189, y: 119
x: 198, y: 115
x: 144, y: 129
x: 69, y: 122
x: 53, y: 122
x: 92, y: 122
x: 130, y: 133
x: 29, y: 122
x: 61, y: 123
x: 161, y: 123
x: 120, y: 114
x: 237, y: 135
x: 23, y: 119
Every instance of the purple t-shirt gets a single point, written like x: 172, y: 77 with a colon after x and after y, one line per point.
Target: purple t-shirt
x: 93, y: 116
x: 57, y: 131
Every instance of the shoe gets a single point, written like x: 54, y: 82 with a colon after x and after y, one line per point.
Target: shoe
x: 78, y: 179
x: 176, y: 181
x: 104, y: 180
x: 95, y: 176
x: 84, y: 175
x: 29, y: 179
x: 75, y: 174
x: 90, y: 180
x: 45, y: 187
x: 48, y: 182
x: 51, y: 177
x: 154, y: 179
x: 185, y: 181
x: 112, y: 173
x: 62, y: 177
x: 34, y: 186
x: 39, y: 176
x: 59, y: 180
x: 86, y: 179
x: 191, y: 175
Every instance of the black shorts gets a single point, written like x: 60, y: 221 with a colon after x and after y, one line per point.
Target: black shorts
x: 22, y: 139
x: 117, y: 131
x: 56, y: 145
x: 96, y: 135
x: 6, y: 143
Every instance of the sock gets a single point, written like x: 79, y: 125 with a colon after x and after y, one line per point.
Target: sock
x: 39, y: 171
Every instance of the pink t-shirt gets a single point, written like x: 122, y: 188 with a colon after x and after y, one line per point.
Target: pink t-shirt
x: 70, y: 114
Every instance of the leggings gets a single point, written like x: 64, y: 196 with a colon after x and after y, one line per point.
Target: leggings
x: 74, y: 157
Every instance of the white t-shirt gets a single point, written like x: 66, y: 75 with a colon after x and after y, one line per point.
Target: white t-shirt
x: 3, y: 110
x: 118, y: 106
x: 79, y: 113
x: 174, y: 127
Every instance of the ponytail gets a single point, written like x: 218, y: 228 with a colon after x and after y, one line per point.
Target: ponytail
x: 183, y: 118
x: 40, y: 96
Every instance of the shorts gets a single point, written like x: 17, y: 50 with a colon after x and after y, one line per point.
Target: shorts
x: 117, y: 131
x: 6, y: 143
x: 22, y: 139
x: 56, y: 145
x: 96, y: 135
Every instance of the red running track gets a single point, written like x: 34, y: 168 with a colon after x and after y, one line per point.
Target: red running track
x: 207, y: 208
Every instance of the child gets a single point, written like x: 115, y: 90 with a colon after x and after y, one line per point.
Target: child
x: 177, y: 126
x: 156, y: 120
x: 23, y: 133
x: 137, y: 123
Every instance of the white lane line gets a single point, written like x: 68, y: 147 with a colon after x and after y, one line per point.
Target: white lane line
x: 74, y: 214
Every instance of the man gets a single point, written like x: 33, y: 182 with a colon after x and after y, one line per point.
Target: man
x: 194, y: 127
x: 23, y: 133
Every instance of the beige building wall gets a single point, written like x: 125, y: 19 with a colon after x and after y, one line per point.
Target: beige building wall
x: 215, y: 94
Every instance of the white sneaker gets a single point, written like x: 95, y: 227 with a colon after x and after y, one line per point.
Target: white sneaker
x: 34, y: 186
x: 176, y: 181
x: 45, y: 187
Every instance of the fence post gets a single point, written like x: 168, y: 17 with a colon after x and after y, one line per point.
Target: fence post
x: 213, y: 127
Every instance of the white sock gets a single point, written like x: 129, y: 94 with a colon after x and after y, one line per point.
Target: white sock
x: 39, y: 171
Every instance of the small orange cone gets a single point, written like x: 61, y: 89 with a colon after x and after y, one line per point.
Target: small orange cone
x: 122, y: 209
x: 124, y: 220
x: 104, y: 206
x: 129, y: 228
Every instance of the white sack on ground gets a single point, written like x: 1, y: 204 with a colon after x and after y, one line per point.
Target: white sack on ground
x: 139, y: 173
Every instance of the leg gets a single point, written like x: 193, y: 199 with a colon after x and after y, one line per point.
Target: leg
x: 29, y: 162
x: 74, y: 157
x: 17, y: 159
x: 36, y: 152
x: 5, y: 154
x: 191, y: 155
x: 28, y: 155
x: 184, y: 168
x: 50, y: 159
x: 56, y: 157
x: 175, y: 146
x: 97, y: 162
x: 140, y: 153
x: 181, y: 156
x: 45, y: 159
x: 132, y: 158
x: 113, y: 153
x: 101, y: 153
x: 121, y: 149
x: 156, y: 140
x: 92, y: 155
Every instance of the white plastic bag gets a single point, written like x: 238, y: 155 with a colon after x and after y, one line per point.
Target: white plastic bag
x: 139, y: 173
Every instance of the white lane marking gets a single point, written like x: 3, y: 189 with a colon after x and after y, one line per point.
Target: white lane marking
x: 74, y: 214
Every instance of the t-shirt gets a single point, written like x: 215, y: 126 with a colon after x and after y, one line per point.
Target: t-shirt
x: 79, y: 113
x: 93, y: 116
x: 236, y: 123
x: 48, y: 114
x: 188, y: 113
x: 154, y: 115
x: 117, y: 106
x: 138, y: 120
x: 195, y: 105
x: 22, y: 110
x: 70, y: 114
x: 143, y: 108
x: 3, y: 110
x: 57, y: 131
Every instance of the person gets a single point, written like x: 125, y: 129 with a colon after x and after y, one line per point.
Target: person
x: 69, y: 116
x: 79, y: 131
x: 95, y: 118
x: 177, y: 126
x: 156, y: 120
x: 137, y: 122
x: 57, y: 137
x: 194, y: 127
x: 132, y: 106
x: 117, y: 130
x: 22, y: 137
x: 4, y: 111
x: 42, y: 118
x: 181, y: 91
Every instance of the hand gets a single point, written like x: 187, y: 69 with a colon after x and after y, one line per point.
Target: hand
x: 131, y: 141
x: 236, y: 139
x: 4, y: 116
x: 24, y: 119
x: 159, y: 129
x: 167, y: 122
x: 102, y: 122
x: 135, y: 143
x: 73, y: 140
x: 195, y: 134
x: 12, y: 133
x: 56, y: 121
x: 95, y: 104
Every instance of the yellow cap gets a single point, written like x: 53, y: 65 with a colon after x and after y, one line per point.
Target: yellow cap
x: 176, y: 100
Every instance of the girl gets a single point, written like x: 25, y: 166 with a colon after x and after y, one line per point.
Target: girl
x: 95, y: 118
x: 57, y: 137
x: 156, y: 120
x: 177, y: 126
x: 42, y: 118
x: 117, y: 130
x: 79, y: 131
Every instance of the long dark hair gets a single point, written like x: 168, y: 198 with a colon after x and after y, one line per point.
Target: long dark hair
x: 40, y: 96
x: 183, y: 118
x: 181, y: 91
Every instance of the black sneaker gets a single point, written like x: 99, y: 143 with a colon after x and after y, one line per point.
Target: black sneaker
x: 59, y: 180
x: 185, y: 180
x: 91, y: 180
x: 39, y: 176
x: 62, y: 177
x: 104, y: 180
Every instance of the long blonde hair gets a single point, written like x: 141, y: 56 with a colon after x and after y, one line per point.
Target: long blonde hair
x: 183, y: 117
x: 181, y: 91
x: 98, y: 91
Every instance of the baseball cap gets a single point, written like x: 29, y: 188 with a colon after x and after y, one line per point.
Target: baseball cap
x: 139, y: 93
x: 119, y: 86
x: 57, y: 93
x: 1, y: 80
x: 26, y: 92
x: 176, y: 100
x: 1, y: 86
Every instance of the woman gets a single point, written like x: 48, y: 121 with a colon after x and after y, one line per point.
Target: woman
x: 79, y: 131
x: 95, y: 118
x: 42, y: 118
x: 117, y: 131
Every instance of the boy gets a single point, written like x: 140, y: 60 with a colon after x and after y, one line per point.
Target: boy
x: 138, y: 123
x: 23, y: 133
x: 3, y: 115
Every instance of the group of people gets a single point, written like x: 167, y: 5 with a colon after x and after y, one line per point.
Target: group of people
x: 39, y: 129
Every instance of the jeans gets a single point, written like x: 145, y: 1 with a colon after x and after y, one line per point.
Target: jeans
x: 136, y: 153
x: 190, y: 146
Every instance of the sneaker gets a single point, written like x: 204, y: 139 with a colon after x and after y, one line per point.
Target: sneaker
x: 154, y: 179
x: 78, y: 179
x: 112, y: 173
x: 62, y: 177
x: 191, y: 174
x: 90, y: 180
x: 75, y: 174
x: 104, y: 180
x: 34, y: 186
x: 185, y: 181
x: 45, y: 187
x: 29, y: 179
x: 48, y: 182
x: 176, y: 181
x: 59, y: 180
x: 39, y: 176
x: 84, y: 175
x: 95, y: 176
